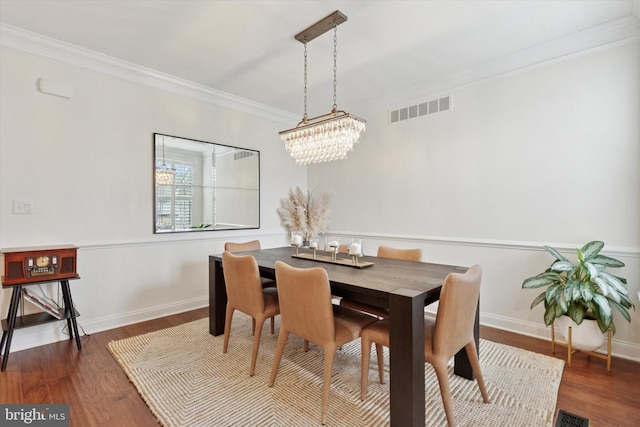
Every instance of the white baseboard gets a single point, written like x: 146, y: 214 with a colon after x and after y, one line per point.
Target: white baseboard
x: 622, y: 349
x: 130, y: 318
x: 53, y: 332
x: 57, y: 331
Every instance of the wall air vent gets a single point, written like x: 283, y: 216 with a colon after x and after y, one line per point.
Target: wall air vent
x: 425, y: 108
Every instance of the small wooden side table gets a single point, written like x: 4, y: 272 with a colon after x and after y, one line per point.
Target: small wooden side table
x: 13, y: 321
x: 36, y: 265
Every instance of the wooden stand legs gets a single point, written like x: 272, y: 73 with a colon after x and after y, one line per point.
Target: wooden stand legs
x: 14, y: 321
x: 571, y: 350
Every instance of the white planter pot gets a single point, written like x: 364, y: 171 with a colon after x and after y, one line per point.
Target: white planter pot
x: 586, y: 336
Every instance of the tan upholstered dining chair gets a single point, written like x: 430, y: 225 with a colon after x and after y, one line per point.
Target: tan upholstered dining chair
x: 395, y: 253
x: 246, y: 294
x: 306, y: 311
x: 383, y: 252
x: 233, y: 247
x: 253, y: 245
x: 444, y: 336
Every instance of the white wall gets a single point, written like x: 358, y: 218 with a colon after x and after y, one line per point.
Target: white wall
x: 86, y: 164
x: 546, y: 155
x: 489, y: 182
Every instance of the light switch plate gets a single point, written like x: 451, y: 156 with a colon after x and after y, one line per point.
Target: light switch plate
x: 22, y: 207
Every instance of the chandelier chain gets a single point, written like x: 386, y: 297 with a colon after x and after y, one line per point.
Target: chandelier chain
x: 335, y: 66
x: 304, y: 118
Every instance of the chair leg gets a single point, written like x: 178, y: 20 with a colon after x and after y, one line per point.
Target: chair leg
x: 380, y: 356
x: 329, y: 355
x: 364, y: 367
x: 227, y: 327
x: 445, y: 391
x: 475, y: 365
x: 256, y: 345
x: 272, y: 325
x: 282, y: 341
x: 306, y: 346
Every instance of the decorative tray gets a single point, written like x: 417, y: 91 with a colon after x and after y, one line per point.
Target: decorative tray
x: 348, y: 262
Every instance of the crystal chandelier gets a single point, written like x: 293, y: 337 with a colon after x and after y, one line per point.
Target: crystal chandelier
x: 164, y: 174
x: 330, y: 136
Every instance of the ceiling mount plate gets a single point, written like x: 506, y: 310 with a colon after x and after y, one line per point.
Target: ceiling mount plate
x: 321, y: 27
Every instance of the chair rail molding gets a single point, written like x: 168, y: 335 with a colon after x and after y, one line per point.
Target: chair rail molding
x: 488, y: 243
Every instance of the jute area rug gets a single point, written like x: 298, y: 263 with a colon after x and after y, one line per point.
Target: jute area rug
x: 186, y: 380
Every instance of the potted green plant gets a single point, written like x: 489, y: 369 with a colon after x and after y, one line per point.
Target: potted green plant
x: 582, y: 290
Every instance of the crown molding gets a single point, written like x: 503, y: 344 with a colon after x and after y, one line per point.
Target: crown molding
x: 613, y: 33
x: 47, y: 47
x: 606, y: 35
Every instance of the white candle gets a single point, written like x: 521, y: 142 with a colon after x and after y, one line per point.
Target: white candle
x: 355, y: 249
x: 313, y: 245
x: 334, y: 244
x: 296, y: 240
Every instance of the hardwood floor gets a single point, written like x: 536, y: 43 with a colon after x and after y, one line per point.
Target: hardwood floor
x: 100, y: 394
x: 606, y: 398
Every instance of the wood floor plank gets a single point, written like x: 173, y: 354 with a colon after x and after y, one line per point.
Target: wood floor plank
x: 100, y: 394
x: 35, y: 387
x: 11, y: 384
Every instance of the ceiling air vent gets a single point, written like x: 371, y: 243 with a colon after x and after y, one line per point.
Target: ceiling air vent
x: 425, y: 108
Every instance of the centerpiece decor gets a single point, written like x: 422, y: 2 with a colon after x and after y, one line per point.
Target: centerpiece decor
x: 355, y: 249
x: 331, y: 246
x: 305, y: 212
x: 314, y: 244
x: 296, y: 240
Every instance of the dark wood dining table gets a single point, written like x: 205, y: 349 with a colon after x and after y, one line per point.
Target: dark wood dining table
x: 404, y: 287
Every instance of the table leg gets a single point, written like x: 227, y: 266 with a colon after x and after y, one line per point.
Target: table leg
x: 406, y: 351
x: 462, y: 366
x: 7, y: 335
x: 217, y: 297
x: 70, y: 310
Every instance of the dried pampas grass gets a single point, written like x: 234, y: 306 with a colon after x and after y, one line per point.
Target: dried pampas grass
x: 305, y: 212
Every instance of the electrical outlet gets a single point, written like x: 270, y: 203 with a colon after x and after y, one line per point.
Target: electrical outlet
x: 22, y: 207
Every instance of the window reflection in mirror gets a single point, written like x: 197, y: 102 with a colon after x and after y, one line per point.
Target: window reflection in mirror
x: 203, y: 186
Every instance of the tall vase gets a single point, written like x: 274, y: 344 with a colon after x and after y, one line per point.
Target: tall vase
x: 586, y: 336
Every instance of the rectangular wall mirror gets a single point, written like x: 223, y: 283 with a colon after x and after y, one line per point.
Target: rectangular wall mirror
x: 202, y: 186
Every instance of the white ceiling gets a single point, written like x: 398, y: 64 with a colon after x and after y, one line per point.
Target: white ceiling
x: 388, y: 51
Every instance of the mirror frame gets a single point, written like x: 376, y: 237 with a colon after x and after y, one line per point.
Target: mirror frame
x: 159, y: 154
